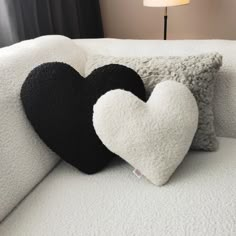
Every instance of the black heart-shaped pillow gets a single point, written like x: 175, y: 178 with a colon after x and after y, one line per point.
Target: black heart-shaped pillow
x: 58, y: 102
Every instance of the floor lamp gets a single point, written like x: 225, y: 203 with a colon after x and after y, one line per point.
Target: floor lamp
x: 165, y: 4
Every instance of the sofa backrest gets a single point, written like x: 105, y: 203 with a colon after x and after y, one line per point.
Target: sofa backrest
x: 24, y: 158
x: 225, y: 94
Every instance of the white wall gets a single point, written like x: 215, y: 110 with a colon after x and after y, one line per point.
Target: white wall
x: 198, y: 20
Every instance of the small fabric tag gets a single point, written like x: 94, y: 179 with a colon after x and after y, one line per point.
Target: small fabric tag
x: 137, y: 173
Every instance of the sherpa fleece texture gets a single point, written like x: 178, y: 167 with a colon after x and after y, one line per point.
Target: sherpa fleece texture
x: 24, y: 158
x: 199, y: 200
x: 153, y: 137
x: 199, y: 76
x: 58, y: 102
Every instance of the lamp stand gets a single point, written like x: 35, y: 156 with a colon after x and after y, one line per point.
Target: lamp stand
x: 165, y: 23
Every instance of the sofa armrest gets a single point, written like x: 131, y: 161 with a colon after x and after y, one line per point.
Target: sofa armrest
x: 24, y: 158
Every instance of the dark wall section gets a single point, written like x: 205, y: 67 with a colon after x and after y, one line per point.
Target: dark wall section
x: 26, y: 19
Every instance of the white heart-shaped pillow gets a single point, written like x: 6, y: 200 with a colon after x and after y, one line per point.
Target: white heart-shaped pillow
x: 153, y: 137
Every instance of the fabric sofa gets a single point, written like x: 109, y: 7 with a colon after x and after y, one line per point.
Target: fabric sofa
x: 42, y: 195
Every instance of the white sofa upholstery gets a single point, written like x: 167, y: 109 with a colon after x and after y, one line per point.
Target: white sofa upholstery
x: 200, y: 199
x: 24, y: 158
x: 225, y: 99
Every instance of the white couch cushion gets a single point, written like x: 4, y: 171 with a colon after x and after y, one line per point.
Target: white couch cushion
x: 154, y: 137
x: 198, y: 200
x: 24, y: 158
x: 225, y: 99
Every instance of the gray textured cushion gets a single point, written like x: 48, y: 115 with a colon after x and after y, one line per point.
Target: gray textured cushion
x: 199, y: 76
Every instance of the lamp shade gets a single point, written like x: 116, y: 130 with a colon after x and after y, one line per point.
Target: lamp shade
x: 164, y: 3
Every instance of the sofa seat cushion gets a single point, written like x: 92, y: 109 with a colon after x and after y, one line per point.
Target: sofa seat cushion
x: 200, y: 199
